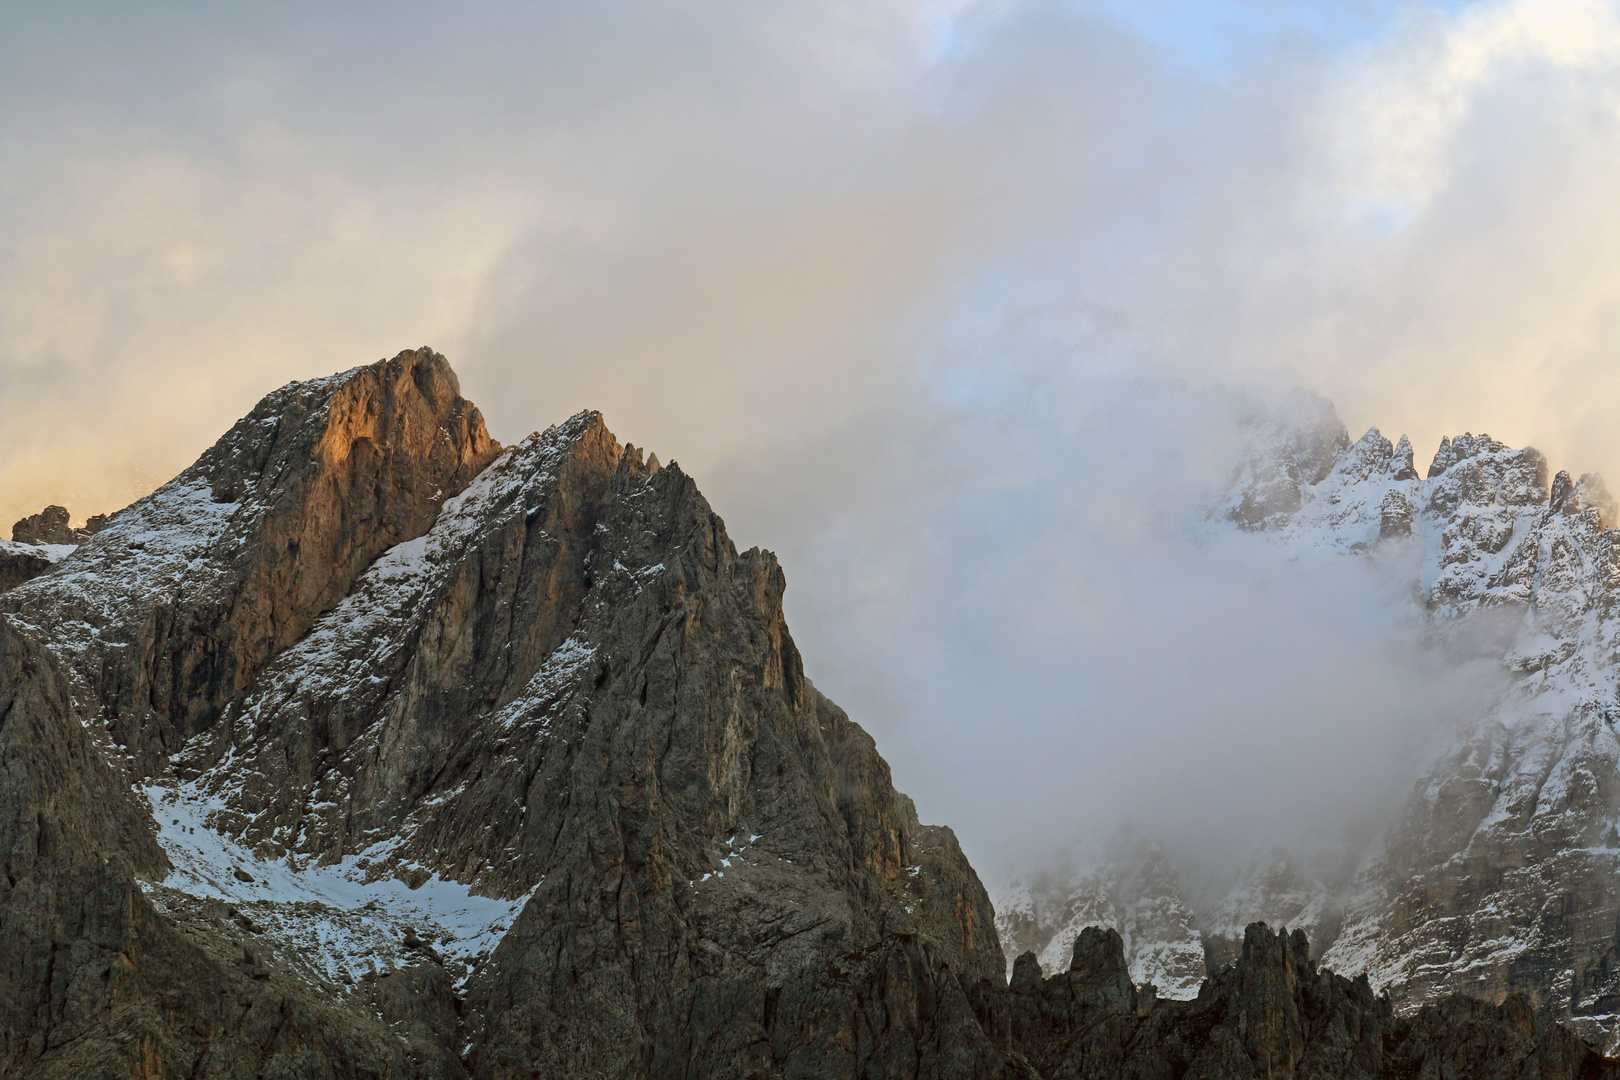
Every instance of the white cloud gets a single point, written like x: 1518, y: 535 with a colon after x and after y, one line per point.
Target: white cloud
x: 1396, y: 106
x: 876, y: 273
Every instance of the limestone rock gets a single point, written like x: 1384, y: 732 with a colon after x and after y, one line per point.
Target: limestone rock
x: 1497, y: 877
x: 538, y: 711
x: 50, y: 526
x: 1394, y: 516
x: 170, y: 610
x: 22, y: 562
x: 1282, y: 888
x: 1126, y: 884
x: 1290, y: 451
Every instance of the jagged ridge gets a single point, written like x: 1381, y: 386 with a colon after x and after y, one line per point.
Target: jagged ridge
x: 469, y: 762
x: 1498, y: 875
x: 566, y: 690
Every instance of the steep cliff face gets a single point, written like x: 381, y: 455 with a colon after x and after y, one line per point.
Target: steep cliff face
x: 24, y: 562
x: 366, y: 748
x: 166, y: 613
x: 94, y: 981
x: 458, y: 761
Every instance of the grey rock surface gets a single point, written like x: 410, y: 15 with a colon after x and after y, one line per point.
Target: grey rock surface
x: 169, y: 611
x: 50, y: 526
x: 366, y: 748
x: 1497, y: 876
x: 358, y: 659
x: 23, y: 562
x: 1126, y: 884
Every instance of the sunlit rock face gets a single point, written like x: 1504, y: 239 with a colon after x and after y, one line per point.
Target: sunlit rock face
x: 368, y: 747
x: 173, y: 607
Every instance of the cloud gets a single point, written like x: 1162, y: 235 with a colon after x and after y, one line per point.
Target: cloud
x: 740, y: 213
x: 914, y: 288
x: 1030, y: 606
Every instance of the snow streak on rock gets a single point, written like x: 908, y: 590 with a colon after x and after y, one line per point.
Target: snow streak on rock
x: 337, y: 923
x: 350, y: 664
x: 1500, y: 874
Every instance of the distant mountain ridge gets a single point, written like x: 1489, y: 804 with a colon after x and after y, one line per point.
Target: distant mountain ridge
x: 1501, y: 874
x: 367, y: 747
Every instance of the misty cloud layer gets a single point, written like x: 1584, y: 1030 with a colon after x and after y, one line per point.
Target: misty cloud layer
x: 1031, y: 607
x: 932, y: 297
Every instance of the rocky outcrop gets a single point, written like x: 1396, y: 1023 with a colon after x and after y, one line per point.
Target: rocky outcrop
x: 510, y: 754
x: 1497, y: 877
x: 22, y: 562
x: 39, y: 542
x: 1126, y: 884
x: 50, y: 526
x: 170, y: 610
x: 1293, y: 450
x: 1282, y: 888
x: 1272, y: 1013
x: 93, y: 981
x: 367, y: 748
x: 581, y: 694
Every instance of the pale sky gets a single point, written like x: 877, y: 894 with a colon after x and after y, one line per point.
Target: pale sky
x: 857, y: 265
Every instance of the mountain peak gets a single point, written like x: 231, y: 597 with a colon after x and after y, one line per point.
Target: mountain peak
x: 179, y: 600
x: 507, y: 753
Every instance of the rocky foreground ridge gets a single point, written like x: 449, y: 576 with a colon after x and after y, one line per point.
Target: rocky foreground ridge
x: 369, y: 748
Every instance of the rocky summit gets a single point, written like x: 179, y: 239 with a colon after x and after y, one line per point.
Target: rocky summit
x: 1500, y: 873
x: 367, y: 747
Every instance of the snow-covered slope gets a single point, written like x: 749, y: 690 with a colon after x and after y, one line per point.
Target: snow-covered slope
x: 336, y: 923
x: 1501, y: 872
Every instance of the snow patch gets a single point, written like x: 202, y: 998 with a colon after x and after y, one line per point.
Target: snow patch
x: 329, y: 915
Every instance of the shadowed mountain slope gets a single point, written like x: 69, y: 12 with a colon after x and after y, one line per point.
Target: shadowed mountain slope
x: 368, y: 748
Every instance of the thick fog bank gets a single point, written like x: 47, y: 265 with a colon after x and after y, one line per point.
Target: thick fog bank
x: 1033, y: 602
